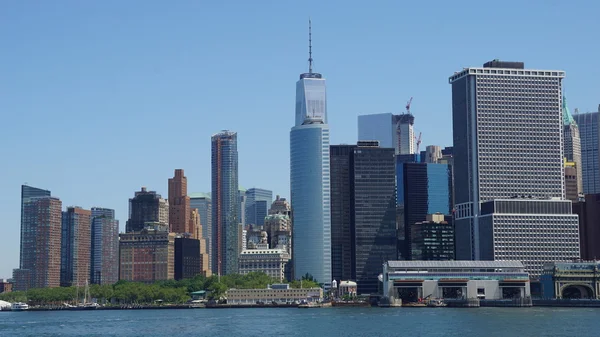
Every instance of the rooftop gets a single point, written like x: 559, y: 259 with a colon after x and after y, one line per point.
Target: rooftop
x: 199, y: 195
x: 455, y: 264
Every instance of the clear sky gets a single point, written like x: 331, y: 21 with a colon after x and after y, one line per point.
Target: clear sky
x: 99, y: 98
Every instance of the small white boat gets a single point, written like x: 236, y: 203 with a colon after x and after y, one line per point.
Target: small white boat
x: 19, y: 306
x: 436, y: 302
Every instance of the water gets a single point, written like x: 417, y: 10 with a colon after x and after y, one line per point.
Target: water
x: 292, y: 322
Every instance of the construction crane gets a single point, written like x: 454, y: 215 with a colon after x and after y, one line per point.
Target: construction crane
x: 418, y: 142
x: 408, y: 106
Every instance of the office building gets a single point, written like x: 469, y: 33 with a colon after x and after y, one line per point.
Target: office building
x: 226, y: 203
x: 147, y: 256
x: 587, y: 124
x: 241, y: 214
x: 363, y: 212
x: 571, y: 182
x: 146, y: 207
x: 309, y: 179
x: 280, y: 293
x: 572, y: 146
x: 105, y: 246
x: 423, y: 188
x: 76, y: 247
x: 433, y: 154
x: 204, y: 256
x: 433, y: 239
x: 179, y: 205
x: 392, y: 131
x: 508, y: 142
x: 271, y: 261
x: 588, y: 211
x: 258, y: 201
x: 188, y: 260
x: 41, y: 223
x: 202, y: 202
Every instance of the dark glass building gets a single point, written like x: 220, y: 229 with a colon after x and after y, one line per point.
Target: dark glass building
x: 363, y: 211
x: 589, y: 226
x: 423, y: 188
x: 188, y: 262
x: 433, y: 239
x: 146, y: 207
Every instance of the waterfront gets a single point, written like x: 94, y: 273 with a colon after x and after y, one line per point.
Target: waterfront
x: 314, y: 322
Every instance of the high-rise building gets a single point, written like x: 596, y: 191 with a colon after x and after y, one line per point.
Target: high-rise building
x: 433, y: 239
x: 105, y: 246
x: 241, y: 215
x: 188, y: 260
x: 309, y: 178
x: 571, y: 182
x: 572, y: 147
x: 147, y: 256
x: 202, y: 202
x: 587, y: 124
x: 179, y: 205
x: 589, y: 226
x: 433, y: 153
x: 204, y: 256
x: 258, y: 201
x: 422, y: 189
x: 278, y: 225
x: 508, y: 142
x: 40, y: 262
x: 147, y: 207
x: 392, y: 131
x: 226, y: 203
x: 363, y: 219
x: 76, y: 247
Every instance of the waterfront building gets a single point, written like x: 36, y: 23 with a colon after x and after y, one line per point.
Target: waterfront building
x: 188, y: 260
x: 494, y: 159
x: 363, y: 212
x: 423, y: 188
x: 572, y: 146
x: 433, y: 239
x: 41, y: 223
x: 104, y: 246
x: 392, y: 131
x: 280, y: 293
x: 571, y: 280
x: 203, y: 203
x: 5, y: 286
x: 309, y: 178
x: 571, y: 181
x: 226, y: 203
x: 147, y: 256
x: 452, y: 280
x: 146, y: 207
x: 271, y: 261
x: 587, y: 124
x: 179, y: 205
x: 258, y: 201
x: 588, y: 211
x: 76, y: 246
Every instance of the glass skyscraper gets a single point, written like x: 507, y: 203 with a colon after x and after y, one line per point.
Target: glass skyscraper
x: 309, y: 179
x: 203, y: 203
x: 105, y: 246
x: 226, y: 203
x: 395, y: 131
x: 588, y: 133
x: 258, y: 201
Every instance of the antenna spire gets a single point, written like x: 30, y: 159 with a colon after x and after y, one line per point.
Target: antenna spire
x: 309, y: 46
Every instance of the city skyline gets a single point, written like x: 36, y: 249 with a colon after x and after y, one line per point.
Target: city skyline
x: 145, y: 93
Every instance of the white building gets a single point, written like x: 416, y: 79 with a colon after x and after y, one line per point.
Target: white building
x: 275, y: 293
x: 270, y: 261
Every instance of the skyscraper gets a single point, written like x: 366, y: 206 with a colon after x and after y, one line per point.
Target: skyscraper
x: 202, y: 202
x: 572, y: 147
x: 105, y: 246
x: 433, y: 153
x: 590, y: 150
x: 40, y: 240
x: 508, y: 143
x: 179, y: 204
x: 258, y: 201
x: 309, y: 178
x: 226, y: 203
x: 363, y: 212
x: 76, y: 247
x: 395, y: 131
x: 147, y: 207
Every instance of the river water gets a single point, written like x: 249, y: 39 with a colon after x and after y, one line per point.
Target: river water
x: 307, y: 322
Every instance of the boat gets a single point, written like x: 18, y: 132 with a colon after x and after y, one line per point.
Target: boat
x: 436, y: 302
x: 87, y: 303
x: 19, y: 306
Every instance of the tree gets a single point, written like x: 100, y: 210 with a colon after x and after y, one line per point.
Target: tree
x: 217, y: 290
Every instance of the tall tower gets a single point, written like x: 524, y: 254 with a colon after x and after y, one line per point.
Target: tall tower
x: 589, y: 131
x: 105, y: 246
x: 179, y: 204
x: 225, y: 203
x: 508, y: 165
x: 572, y: 143
x: 309, y: 177
x: 76, y: 247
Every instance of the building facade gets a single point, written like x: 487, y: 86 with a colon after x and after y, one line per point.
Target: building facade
x: 41, y: 223
x: 203, y: 203
x: 105, y: 247
x: 309, y: 179
x: 572, y: 149
x: 188, y: 260
x: 423, y: 188
x: 271, y: 261
x: 275, y: 293
x: 28, y: 192
x: 588, y: 211
x: 146, y: 207
x: 257, y: 205
x: 587, y: 124
x: 226, y: 203
x: 571, y: 182
x: 433, y: 154
x: 179, y: 205
x: 433, y: 239
x: 76, y: 247
x: 364, y: 218
x: 571, y: 280
x: 147, y: 256
x: 508, y: 141
x: 392, y: 131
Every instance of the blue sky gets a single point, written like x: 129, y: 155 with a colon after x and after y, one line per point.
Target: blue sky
x: 99, y: 98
